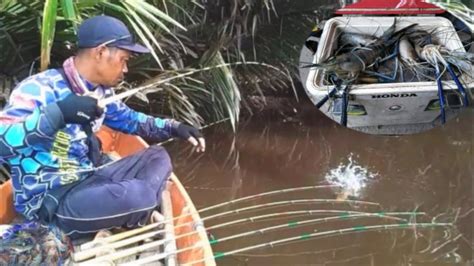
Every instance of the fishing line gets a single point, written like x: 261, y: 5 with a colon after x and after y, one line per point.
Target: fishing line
x: 293, y: 254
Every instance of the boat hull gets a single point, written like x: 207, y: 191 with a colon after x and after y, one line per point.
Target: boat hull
x: 121, y: 145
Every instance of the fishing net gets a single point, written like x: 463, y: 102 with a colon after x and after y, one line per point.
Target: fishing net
x: 33, y: 244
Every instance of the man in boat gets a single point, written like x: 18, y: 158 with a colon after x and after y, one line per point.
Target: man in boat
x: 46, y: 136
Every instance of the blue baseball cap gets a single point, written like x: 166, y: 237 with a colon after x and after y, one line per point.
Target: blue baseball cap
x: 109, y: 31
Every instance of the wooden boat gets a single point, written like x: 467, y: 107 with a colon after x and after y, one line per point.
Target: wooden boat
x: 181, y: 204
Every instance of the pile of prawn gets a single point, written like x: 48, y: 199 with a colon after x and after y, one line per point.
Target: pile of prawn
x: 410, y: 54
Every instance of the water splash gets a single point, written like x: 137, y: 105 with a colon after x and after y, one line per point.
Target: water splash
x: 351, y: 177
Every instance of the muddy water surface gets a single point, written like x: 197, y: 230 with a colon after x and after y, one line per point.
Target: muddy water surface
x: 429, y: 172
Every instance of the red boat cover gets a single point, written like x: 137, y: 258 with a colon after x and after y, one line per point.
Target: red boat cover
x: 390, y: 7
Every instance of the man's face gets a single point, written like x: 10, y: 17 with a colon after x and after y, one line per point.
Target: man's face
x: 112, y: 65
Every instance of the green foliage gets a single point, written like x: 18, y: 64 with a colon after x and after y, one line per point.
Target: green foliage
x: 463, y: 9
x: 183, y: 35
x: 47, y: 31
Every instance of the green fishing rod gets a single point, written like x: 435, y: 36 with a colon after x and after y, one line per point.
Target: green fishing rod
x: 300, y: 237
x: 286, y: 203
x: 308, y: 236
x: 343, y: 215
x: 292, y: 224
x: 306, y: 213
x: 126, y: 234
x: 88, y: 253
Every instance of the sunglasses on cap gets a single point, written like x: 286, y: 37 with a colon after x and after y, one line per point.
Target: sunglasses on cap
x: 114, y: 40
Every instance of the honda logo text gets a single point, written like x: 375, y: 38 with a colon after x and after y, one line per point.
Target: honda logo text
x: 394, y: 95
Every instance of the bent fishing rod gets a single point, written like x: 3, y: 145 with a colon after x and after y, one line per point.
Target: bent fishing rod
x: 300, y: 237
x: 123, y: 95
x: 342, y: 215
x: 242, y: 199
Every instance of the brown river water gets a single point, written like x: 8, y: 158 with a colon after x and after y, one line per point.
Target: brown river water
x: 430, y: 172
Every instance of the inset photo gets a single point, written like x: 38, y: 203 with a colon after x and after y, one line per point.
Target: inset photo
x: 381, y: 69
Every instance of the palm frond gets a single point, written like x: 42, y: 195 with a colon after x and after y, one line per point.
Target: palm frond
x: 47, y: 31
x: 68, y: 10
x: 182, y: 35
x: 458, y: 8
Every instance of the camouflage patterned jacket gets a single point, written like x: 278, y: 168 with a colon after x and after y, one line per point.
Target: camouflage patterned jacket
x: 42, y: 151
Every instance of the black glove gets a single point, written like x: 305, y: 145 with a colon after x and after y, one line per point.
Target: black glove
x: 185, y: 131
x: 79, y: 109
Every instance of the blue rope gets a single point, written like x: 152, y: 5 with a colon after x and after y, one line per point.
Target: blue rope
x: 345, y: 104
x: 442, y: 104
x: 458, y: 84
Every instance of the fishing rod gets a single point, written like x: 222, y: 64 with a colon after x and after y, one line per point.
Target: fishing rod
x: 308, y: 236
x: 432, y: 55
x: 442, y: 104
x: 345, y: 105
x: 326, y: 97
x: 310, y: 212
x: 297, y: 238
x: 154, y: 225
x: 131, y: 92
x: 265, y: 194
x: 458, y: 84
x: 133, y: 232
x: 89, y: 253
x: 235, y: 211
x: 291, y: 224
x: 285, y: 203
x: 343, y: 214
x: 337, y: 86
